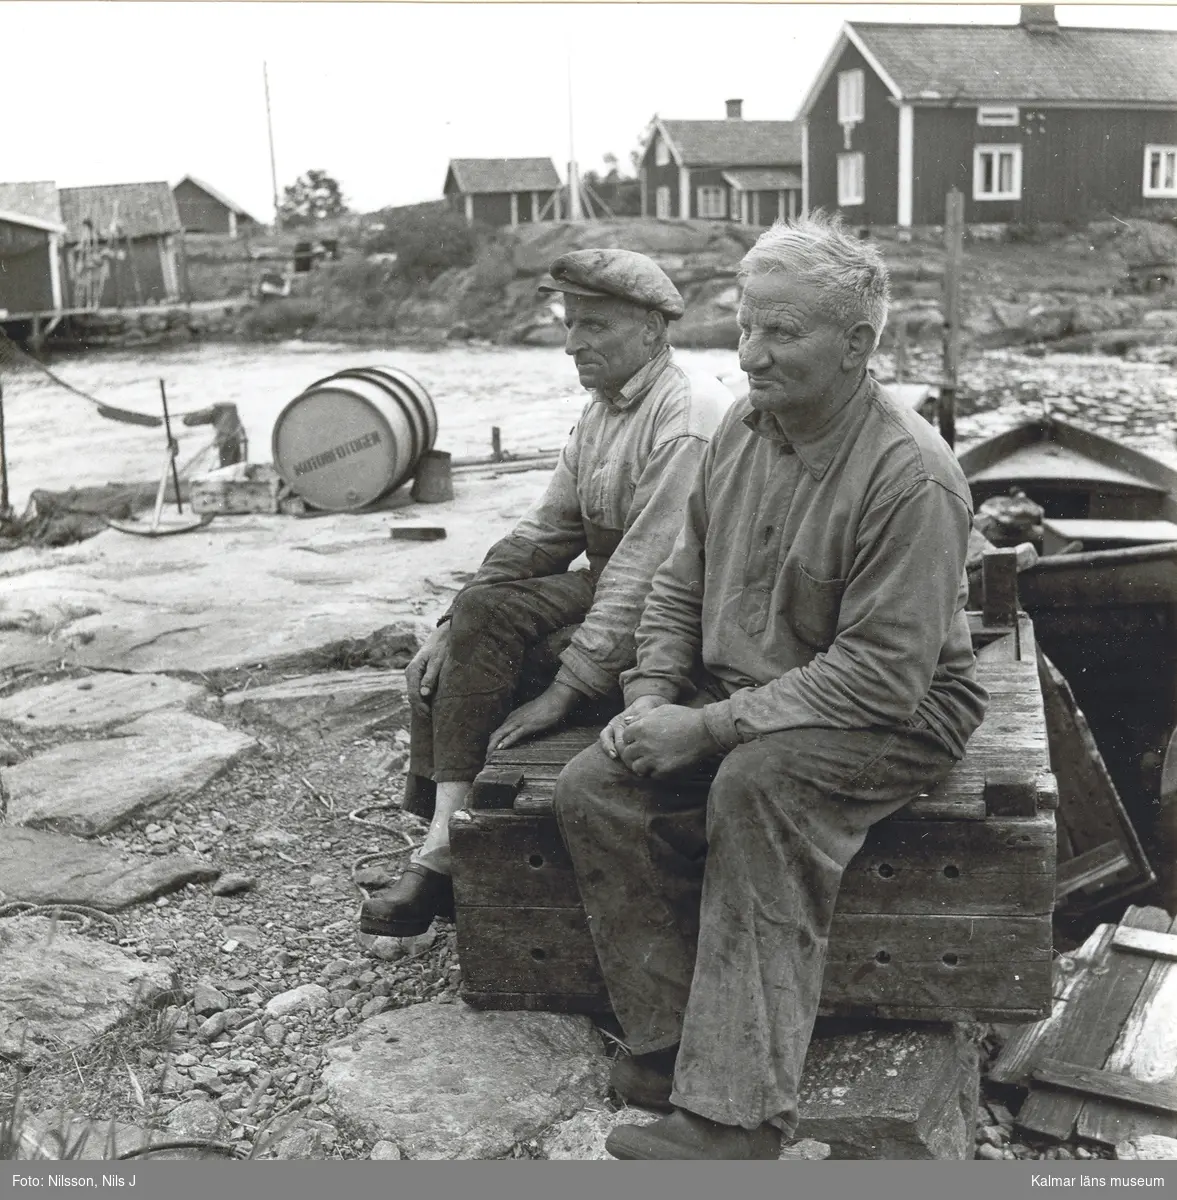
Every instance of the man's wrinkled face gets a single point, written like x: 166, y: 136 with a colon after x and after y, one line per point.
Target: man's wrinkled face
x: 793, y: 354
x: 609, y: 339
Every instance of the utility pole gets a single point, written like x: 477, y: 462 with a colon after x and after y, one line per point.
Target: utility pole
x: 273, y: 168
x: 574, y: 212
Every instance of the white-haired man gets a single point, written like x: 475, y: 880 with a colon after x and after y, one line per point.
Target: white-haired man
x: 807, y: 631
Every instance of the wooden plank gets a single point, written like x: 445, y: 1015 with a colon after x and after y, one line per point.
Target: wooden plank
x: 1010, y: 792
x: 1143, y: 941
x: 1029, y: 1045
x: 1108, y: 1085
x: 917, y: 964
x: 995, y: 867
x: 512, y: 861
x: 1091, y: 869
x: 496, y: 787
x: 1089, y: 806
x: 1090, y: 1028
x: 545, y: 951
x: 999, y: 573
x: 1146, y: 1049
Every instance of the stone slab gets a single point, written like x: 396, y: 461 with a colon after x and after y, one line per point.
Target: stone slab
x: 100, y: 699
x: 907, y: 1092
x: 331, y: 704
x: 52, y: 868
x: 443, y: 1081
x: 91, y: 787
x: 61, y: 990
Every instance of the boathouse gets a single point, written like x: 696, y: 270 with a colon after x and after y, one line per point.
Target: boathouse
x: 205, y: 210
x: 31, y: 237
x: 729, y: 170
x: 503, y: 191
x: 1032, y: 122
x: 123, y: 245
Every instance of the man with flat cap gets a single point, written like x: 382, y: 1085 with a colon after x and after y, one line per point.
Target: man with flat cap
x: 617, y: 495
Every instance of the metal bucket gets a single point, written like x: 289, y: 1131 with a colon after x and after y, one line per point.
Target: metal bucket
x: 354, y: 437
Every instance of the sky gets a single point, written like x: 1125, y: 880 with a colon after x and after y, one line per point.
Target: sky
x: 382, y: 95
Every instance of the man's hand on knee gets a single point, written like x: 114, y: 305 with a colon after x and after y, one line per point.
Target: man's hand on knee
x: 535, y: 716
x: 424, y: 668
x: 611, y: 735
x: 667, y: 739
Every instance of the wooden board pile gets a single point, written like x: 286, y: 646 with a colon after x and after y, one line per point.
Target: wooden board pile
x: 1103, y: 1066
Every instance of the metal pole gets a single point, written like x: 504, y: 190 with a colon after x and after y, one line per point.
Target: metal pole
x: 167, y: 424
x: 954, y: 254
x: 3, y: 460
x: 273, y: 168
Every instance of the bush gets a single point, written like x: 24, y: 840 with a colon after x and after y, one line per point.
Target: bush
x: 426, y: 239
x: 281, y: 318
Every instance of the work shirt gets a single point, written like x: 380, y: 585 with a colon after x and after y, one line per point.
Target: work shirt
x: 819, y: 583
x: 617, y: 494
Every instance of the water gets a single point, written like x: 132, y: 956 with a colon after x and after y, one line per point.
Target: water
x: 56, y: 440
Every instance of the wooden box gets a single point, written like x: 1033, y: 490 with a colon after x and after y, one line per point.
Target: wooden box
x: 238, y: 489
x: 945, y: 914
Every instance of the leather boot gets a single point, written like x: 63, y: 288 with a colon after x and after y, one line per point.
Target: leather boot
x: 645, y: 1080
x: 683, y: 1135
x: 408, y: 907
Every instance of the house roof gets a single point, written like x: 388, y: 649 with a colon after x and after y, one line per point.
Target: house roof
x: 766, y: 179
x: 733, y: 142
x: 944, y: 63
x: 219, y: 197
x: 478, y: 176
x: 139, y: 209
x: 37, y: 200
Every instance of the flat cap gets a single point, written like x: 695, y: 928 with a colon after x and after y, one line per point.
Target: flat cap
x: 621, y: 273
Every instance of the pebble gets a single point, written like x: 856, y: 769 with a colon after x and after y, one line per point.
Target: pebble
x: 309, y: 997
x: 214, y: 1026
x: 383, y: 1151
x: 985, y: 1150
x: 274, y: 1034
x: 208, y: 999
x: 375, y: 1007
x: 231, y: 884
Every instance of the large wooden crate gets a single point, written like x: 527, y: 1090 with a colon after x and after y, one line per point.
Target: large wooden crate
x: 945, y: 914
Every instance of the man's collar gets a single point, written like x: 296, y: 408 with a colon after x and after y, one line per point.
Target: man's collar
x: 818, y: 450
x: 634, y: 389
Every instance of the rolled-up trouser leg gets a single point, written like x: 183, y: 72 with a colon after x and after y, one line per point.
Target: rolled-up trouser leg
x: 784, y: 816
x: 492, y: 627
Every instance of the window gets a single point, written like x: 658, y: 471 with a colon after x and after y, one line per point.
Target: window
x: 712, y: 202
x: 1160, y: 170
x: 662, y: 202
x: 850, y: 104
x: 997, y: 173
x: 661, y: 154
x: 851, y: 179
x: 997, y: 114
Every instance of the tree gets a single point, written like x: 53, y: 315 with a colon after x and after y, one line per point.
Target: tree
x: 312, y: 197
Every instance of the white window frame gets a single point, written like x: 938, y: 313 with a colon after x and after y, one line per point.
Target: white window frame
x: 661, y: 153
x: 1161, y: 152
x: 662, y: 202
x: 998, y: 114
x: 848, y: 194
x: 851, y: 96
x: 715, y: 206
x: 1015, y: 190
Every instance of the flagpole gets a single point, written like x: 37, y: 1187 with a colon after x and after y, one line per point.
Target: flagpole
x: 273, y: 167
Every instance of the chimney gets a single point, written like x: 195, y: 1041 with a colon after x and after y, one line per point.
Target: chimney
x: 1038, y: 18
x: 735, y: 110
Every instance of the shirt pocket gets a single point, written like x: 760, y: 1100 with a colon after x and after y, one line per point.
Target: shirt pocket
x: 812, y: 607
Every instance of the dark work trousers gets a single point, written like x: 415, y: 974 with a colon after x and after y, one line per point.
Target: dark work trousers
x: 710, y: 909
x: 505, y: 640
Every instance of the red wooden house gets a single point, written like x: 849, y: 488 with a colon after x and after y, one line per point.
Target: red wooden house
x: 503, y: 191
x: 730, y: 170
x: 1032, y: 122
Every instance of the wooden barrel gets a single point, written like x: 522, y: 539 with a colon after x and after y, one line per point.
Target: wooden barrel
x: 354, y: 437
